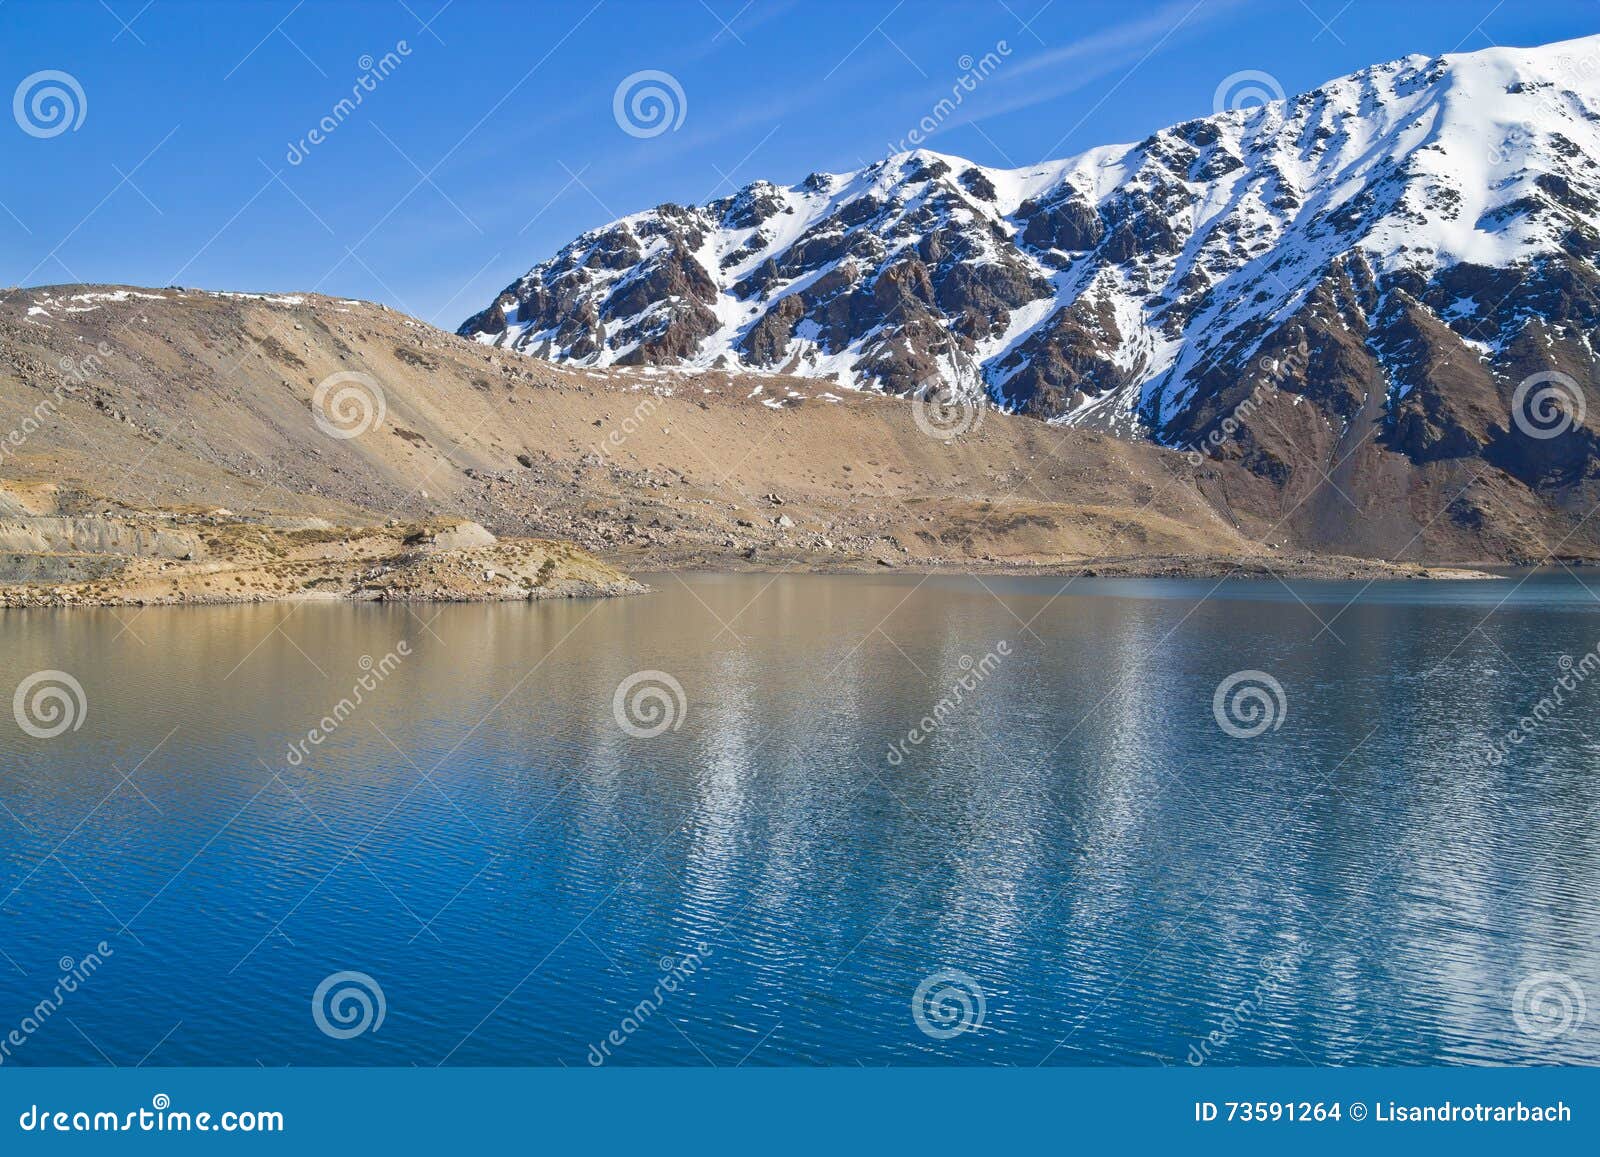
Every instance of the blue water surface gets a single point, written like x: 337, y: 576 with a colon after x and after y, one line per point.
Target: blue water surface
x: 1073, y: 862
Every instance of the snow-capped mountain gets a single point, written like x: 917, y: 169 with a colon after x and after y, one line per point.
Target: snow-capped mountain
x: 1401, y: 245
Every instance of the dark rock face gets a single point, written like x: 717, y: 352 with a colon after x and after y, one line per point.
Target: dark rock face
x: 976, y: 182
x: 1067, y: 222
x: 639, y: 289
x: 752, y: 206
x: 1063, y: 361
x: 492, y: 320
x: 767, y: 340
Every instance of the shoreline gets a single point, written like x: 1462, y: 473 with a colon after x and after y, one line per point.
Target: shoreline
x: 1303, y: 567
x: 107, y: 560
x: 100, y: 594
x: 56, y: 598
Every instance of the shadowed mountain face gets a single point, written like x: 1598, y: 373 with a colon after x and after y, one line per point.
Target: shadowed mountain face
x: 1349, y: 285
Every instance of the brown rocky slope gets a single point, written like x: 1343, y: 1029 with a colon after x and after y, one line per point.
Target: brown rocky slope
x: 174, y: 403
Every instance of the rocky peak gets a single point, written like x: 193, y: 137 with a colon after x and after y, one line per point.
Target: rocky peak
x: 1403, y: 224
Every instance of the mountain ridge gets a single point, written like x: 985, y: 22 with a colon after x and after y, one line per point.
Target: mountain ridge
x: 1399, y: 247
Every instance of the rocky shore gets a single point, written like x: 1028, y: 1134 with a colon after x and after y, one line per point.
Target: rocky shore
x: 160, y: 559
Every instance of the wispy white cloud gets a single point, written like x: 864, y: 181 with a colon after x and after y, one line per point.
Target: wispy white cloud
x: 999, y: 99
x: 1137, y: 35
x: 1080, y: 63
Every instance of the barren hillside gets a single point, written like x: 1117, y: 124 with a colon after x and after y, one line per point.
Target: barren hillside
x: 195, y: 400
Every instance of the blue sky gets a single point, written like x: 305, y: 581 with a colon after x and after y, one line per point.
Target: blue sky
x: 492, y: 139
